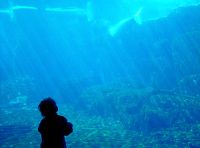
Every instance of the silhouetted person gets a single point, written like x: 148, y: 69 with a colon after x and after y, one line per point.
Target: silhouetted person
x: 53, y: 127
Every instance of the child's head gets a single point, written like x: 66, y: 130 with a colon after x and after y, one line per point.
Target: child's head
x: 48, y: 107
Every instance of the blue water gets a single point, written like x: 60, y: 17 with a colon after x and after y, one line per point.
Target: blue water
x: 125, y: 73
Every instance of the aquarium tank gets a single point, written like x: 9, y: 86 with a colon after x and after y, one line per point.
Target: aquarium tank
x: 126, y: 73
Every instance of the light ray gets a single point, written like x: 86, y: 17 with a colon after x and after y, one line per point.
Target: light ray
x: 137, y: 16
x: 73, y: 10
x: 115, y: 28
x: 18, y: 7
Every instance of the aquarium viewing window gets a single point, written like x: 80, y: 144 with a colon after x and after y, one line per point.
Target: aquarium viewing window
x: 125, y: 73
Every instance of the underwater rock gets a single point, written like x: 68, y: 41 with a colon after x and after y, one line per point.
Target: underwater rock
x: 144, y: 110
x: 189, y: 85
x: 14, y: 132
x: 19, y: 100
x: 155, y: 121
x: 106, y: 98
x: 166, y: 48
x: 18, y: 90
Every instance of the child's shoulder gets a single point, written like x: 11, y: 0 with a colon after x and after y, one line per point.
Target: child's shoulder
x: 62, y: 117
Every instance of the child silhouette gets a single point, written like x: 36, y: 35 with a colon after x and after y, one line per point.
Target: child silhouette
x: 53, y: 127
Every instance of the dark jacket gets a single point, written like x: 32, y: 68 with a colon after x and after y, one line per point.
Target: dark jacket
x: 53, y: 129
